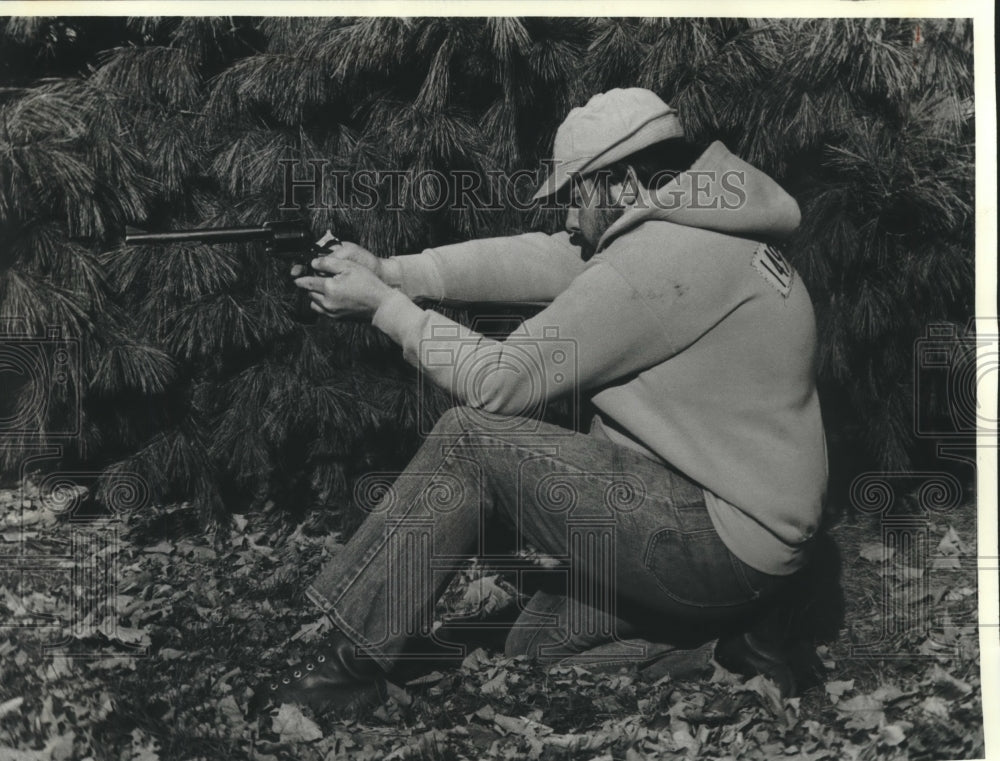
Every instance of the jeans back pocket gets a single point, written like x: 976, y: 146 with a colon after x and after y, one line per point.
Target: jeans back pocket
x: 694, y: 567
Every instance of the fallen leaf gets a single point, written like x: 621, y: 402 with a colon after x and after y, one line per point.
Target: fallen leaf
x: 143, y: 747
x: 947, y: 563
x: 106, y: 664
x: 426, y: 680
x: 876, y: 552
x: 510, y: 724
x: 57, y: 666
x: 495, y: 686
x: 837, y: 688
x: 485, y: 595
x: 426, y: 745
x: 486, y: 713
x: 719, y: 710
x: 9, y: 706
x: 520, y: 726
x: 312, y: 632
x: 768, y: 690
x: 951, y: 544
x: 959, y: 594
x: 948, y: 684
x: 862, y: 712
x: 15, y: 754
x: 935, y: 706
x: 911, y: 592
x: 230, y: 710
x: 60, y: 748
x: 293, y: 726
x: 887, y: 693
x: 891, y: 735
x: 683, y: 738
x: 823, y: 652
x: 17, y: 535
x: 398, y: 694
x: 124, y: 634
x: 23, y: 518
x: 930, y: 646
x: 938, y: 591
x: 475, y: 659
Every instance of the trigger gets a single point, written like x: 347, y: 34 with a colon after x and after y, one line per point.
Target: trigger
x: 328, y: 241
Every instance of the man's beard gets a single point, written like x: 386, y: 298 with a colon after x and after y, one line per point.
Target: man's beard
x: 607, y: 217
x: 587, y: 250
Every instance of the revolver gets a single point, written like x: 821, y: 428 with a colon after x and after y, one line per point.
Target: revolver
x: 290, y: 241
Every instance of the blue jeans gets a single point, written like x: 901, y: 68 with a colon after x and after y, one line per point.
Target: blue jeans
x: 637, y: 554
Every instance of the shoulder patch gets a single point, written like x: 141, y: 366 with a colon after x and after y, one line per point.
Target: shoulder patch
x: 771, y: 265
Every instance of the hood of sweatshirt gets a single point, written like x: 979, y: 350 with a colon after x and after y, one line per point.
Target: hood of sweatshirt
x: 720, y: 192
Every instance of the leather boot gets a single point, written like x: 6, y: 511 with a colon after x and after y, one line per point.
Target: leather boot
x: 777, y: 644
x: 749, y: 655
x: 336, y: 677
x: 780, y: 642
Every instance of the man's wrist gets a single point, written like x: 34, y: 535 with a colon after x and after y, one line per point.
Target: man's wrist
x: 383, y: 294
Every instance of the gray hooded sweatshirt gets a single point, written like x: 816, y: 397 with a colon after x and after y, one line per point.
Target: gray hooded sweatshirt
x: 693, y: 336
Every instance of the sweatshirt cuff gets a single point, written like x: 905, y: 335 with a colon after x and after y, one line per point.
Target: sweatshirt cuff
x: 392, y: 272
x: 416, y: 275
x: 401, y: 320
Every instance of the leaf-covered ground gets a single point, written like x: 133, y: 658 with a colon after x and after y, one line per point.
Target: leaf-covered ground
x: 165, y: 668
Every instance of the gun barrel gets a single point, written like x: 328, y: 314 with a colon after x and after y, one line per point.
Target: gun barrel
x: 207, y: 235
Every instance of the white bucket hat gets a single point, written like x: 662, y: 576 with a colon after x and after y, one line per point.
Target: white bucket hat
x: 611, y: 126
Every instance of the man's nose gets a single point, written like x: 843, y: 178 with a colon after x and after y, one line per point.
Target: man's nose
x: 572, y: 220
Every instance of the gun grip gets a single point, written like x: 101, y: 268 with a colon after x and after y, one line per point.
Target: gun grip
x: 303, y: 309
x: 302, y: 312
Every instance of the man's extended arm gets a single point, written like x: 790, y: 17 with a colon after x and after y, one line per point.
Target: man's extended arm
x: 533, y: 267
x: 603, y: 327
